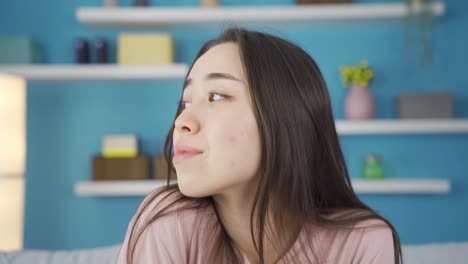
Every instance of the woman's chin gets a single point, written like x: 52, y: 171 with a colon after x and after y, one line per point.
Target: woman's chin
x: 190, y: 190
x: 193, y: 194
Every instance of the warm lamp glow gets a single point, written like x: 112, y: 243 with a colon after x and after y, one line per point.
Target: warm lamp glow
x: 12, y: 159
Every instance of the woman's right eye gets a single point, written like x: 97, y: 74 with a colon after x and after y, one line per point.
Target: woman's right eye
x: 183, y: 104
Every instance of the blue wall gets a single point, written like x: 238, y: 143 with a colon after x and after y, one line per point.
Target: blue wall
x: 66, y: 121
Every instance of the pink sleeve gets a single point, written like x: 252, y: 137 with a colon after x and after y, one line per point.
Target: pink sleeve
x: 375, y: 247
x: 162, y: 241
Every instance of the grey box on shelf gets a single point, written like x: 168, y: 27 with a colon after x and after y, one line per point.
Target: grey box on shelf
x: 425, y: 105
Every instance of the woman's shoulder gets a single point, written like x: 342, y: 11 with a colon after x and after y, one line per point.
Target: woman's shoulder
x: 371, y: 241
x: 372, y: 231
x: 168, y: 226
x: 369, y: 225
x: 170, y: 208
x: 369, y: 221
x: 363, y: 241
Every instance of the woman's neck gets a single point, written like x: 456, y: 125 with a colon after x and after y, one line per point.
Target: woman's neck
x: 235, y: 217
x: 235, y: 210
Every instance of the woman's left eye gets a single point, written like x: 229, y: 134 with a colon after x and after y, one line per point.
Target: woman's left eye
x: 214, y: 96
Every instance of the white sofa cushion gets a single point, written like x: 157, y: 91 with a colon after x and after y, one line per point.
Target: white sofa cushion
x: 436, y: 253
x: 102, y: 255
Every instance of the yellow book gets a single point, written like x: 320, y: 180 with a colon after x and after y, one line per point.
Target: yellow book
x: 120, y: 153
x: 145, y: 48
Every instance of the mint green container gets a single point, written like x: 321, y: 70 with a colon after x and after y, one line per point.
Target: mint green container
x: 19, y: 50
x: 373, y: 168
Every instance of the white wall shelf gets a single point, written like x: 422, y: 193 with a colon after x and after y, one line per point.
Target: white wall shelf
x: 386, y: 186
x: 117, y: 188
x: 77, y: 72
x: 198, y: 16
x: 402, y: 186
x: 402, y: 126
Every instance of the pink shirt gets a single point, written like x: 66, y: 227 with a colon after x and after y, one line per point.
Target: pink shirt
x: 168, y: 240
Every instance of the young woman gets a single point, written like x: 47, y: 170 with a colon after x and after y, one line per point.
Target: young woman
x: 261, y: 177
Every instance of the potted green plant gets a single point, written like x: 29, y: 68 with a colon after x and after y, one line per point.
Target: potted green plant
x: 359, y: 103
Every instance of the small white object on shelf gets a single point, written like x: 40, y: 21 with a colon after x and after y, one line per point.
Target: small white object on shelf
x: 402, y: 126
x: 385, y: 186
x: 119, y: 145
x: 401, y: 186
x: 75, y: 72
x: 193, y: 16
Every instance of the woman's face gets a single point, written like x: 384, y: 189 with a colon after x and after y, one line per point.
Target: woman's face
x: 218, y: 120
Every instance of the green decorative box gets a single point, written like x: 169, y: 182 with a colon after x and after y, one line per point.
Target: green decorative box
x: 19, y: 50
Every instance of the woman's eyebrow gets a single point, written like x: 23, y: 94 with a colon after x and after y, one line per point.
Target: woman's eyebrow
x: 215, y: 76
x: 221, y: 75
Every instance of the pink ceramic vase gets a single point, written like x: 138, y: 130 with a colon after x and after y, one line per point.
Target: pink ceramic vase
x: 359, y: 103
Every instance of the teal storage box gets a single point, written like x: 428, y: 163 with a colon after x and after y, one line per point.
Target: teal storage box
x: 19, y: 50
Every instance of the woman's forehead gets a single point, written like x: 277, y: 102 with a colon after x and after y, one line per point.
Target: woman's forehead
x: 222, y: 58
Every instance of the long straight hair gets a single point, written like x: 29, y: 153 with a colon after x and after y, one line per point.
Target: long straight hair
x: 303, y: 175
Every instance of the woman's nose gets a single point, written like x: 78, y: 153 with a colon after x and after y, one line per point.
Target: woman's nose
x: 186, y: 122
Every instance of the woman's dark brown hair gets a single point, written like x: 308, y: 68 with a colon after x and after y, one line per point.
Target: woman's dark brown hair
x: 304, y: 178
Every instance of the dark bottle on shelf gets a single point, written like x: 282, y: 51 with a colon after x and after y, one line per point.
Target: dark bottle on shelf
x: 81, y: 50
x: 101, y: 48
x: 140, y: 2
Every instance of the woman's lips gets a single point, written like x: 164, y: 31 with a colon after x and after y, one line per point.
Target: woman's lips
x: 184, y: 152
x: 184, y: 156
